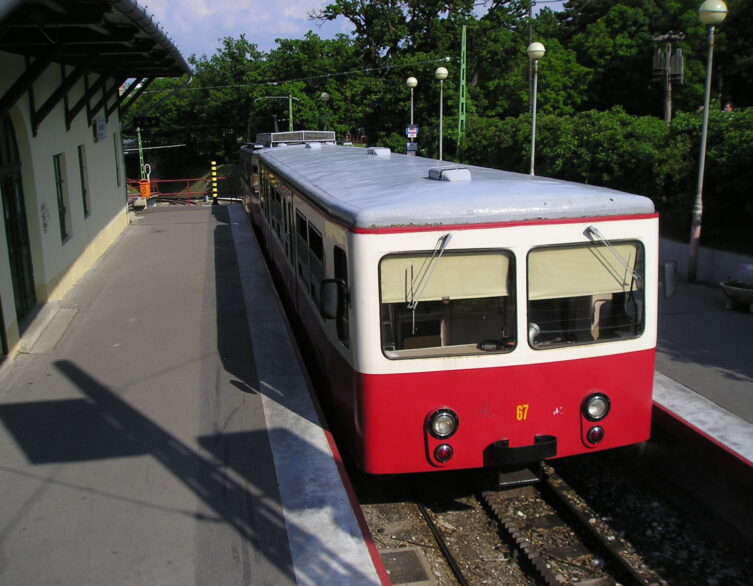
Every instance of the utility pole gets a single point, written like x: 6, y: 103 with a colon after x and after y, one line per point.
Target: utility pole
x: 142, y: 171
x: 290, y: 108
x: 668, y: 67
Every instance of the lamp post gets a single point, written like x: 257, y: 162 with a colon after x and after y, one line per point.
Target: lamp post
x: 324, y: 99
x: 535, y: 52
x: 441, y: 75
x: 711, y: 13
x: 411, y: 82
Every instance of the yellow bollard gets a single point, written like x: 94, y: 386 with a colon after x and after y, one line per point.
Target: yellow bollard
x: 214, y: 183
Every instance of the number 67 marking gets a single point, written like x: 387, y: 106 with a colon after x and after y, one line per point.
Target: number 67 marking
x: 521, y: 412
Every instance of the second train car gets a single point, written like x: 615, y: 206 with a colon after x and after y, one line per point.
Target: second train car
x: 465, y: 317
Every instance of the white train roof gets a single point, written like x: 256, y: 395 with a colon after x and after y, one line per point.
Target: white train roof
x: 385, y: 189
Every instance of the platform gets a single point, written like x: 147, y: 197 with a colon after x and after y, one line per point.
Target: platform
x: 160, y: 429
x: 704, y: 369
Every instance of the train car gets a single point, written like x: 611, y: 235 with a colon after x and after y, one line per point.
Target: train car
x: 465, y: 317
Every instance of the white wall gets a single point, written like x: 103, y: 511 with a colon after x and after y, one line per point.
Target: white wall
x: 59, y: 264
x: 714, y: 266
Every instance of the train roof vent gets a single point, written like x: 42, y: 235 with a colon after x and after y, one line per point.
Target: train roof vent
x: 379, y: 151
x: 450, y: 174
x: 314, y: 146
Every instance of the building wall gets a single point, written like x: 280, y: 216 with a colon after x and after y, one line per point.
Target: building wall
x: 60, y: 262
x: 714, y: 266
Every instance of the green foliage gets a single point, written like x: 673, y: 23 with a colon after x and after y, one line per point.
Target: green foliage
x: 598, y: 107
x: 638, y: 154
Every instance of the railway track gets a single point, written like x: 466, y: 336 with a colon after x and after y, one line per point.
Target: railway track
x: 545, y: 529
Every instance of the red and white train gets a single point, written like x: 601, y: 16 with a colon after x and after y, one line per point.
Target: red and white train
x: 465, y: 317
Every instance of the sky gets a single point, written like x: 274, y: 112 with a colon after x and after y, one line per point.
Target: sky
x: 196, y: 26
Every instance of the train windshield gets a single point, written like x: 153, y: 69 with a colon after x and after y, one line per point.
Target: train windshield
x: 452, y: 303
x: 583, y: 294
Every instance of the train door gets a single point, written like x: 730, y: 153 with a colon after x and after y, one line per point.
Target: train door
x: 16, y: 229
x: 340, y: 263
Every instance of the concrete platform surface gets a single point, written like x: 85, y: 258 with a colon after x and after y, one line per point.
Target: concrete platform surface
x: 704, y: 366
x: 159, y: 430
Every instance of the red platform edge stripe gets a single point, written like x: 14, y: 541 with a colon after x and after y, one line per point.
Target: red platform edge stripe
x: 376, y: 559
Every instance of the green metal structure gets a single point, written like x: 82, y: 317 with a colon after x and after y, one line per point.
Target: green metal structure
x: 461, y: 96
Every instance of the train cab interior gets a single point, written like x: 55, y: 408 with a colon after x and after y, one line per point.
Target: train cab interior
x: 462, y: 303
x: 584, y: 294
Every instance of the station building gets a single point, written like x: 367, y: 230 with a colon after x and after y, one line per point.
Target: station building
x: 68, y: 72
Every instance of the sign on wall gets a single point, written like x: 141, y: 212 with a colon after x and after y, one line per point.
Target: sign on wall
x: 98, y: 124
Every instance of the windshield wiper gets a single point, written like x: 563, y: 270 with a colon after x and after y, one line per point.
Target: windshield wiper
x: 593, y: 233
x: 421, y: 280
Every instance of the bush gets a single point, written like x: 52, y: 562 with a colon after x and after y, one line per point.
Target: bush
x: 637, y: 154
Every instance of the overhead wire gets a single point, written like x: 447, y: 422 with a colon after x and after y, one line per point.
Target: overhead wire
x: 310, y: 78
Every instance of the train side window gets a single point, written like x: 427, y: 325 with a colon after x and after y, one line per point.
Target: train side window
x: 461, y: 303
x: 316, y: 261
x: 341, y: 273
x: 585, y: 294
x: 264, y: 193
x: 301, y: 239
x: 276, y: 213
x: 289, y: 240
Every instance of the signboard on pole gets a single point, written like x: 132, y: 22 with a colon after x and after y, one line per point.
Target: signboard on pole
x: 411, y: 131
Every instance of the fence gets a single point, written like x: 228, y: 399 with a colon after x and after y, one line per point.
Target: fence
x: 179, y: 191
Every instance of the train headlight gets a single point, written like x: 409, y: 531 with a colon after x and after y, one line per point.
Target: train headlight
x: 595, y: 407
x: 442, y: 423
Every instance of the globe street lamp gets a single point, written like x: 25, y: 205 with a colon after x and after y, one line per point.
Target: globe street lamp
x: 324, y: 99
x: 711, y: 13
x: 441, y: 75
x: 411, y: 82
x: 535, y: 52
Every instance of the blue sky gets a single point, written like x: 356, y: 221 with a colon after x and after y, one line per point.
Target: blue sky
x: 195, y: 26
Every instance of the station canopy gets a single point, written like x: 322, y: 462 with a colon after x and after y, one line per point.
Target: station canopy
x: 116, y: 38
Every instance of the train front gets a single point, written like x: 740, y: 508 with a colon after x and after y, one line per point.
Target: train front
x: 503, y: 343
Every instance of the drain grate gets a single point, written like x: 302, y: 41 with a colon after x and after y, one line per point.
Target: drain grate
x: 406, y: 567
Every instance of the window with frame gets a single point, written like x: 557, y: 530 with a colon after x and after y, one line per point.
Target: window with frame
x: 302, y: 247
x: 276, y: 212
x: 585, y: 293
x: 459, y: 303
x: 340, y: 261
x: 64, y: 213
x: 118, y: 156
x: 289, y: 231
x: 84, y: 174
x: 264, y: 192
x: 316, y: 261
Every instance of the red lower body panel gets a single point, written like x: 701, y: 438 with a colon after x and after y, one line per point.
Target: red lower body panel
x: 516, y: 404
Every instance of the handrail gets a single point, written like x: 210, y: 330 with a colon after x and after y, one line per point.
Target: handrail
x: 188, y: 194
